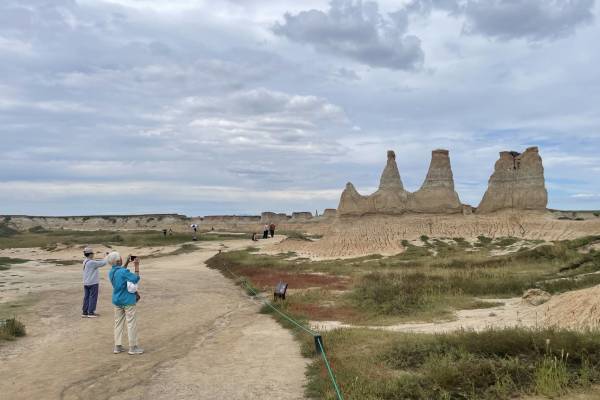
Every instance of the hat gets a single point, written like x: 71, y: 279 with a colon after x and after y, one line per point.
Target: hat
x: 88, y: 250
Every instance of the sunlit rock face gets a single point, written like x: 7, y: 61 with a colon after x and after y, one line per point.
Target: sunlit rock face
x: 437, y: 194
x: 517, y: 183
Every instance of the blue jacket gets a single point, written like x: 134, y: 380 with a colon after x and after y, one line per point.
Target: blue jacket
x: 118, y: 277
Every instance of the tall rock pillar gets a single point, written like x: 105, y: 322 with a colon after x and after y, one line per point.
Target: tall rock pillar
x: 517, y: 183
x: 437, y: 194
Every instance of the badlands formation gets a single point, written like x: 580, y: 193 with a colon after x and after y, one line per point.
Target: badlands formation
x: 513, y: 205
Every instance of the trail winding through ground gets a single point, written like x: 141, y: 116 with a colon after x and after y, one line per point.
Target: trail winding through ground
x: 203, y: 339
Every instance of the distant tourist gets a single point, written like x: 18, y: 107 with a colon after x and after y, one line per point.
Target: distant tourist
x: 266, y: 231
x: 254, y: 239
x: 164, y: 232
x: 272, y: 230
x: 170, y: 231
x: 91, y: 283
x: 124, y: 298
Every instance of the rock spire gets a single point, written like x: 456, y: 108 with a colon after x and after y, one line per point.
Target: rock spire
x: 517, y: 183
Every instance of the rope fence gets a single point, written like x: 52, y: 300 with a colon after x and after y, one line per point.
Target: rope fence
x: 317, y: 337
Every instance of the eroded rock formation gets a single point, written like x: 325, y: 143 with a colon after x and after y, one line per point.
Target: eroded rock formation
x: 329, y: 213
x: 436, y: 195
x: 517, y: 183
x: 269, y: 217
x: 301, y: 215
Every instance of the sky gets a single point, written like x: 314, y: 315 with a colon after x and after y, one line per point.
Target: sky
x: 242, y: 106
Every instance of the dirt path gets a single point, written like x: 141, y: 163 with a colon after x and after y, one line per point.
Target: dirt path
x: 513, y: 312
x: 203, y: 339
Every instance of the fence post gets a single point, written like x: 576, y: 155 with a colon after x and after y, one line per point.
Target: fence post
x: 318, y: 343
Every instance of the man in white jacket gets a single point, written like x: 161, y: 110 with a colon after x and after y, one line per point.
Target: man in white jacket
x: 91, y: 283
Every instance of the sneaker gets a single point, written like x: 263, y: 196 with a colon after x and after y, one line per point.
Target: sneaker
x: 93, y: 315
x: 84, y: 315
x: 135, y: 350
x: 118, y: 349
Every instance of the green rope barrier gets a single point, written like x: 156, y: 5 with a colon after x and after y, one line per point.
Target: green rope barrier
x: 317, y: 337
x: 331, y: 375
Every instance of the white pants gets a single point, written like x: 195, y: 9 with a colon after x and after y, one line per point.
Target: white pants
x: 122, y: 314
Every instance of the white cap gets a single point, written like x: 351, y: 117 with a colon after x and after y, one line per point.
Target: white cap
x: 88, y: 250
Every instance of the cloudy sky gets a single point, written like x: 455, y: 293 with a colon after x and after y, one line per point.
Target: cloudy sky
x: 239, y: 106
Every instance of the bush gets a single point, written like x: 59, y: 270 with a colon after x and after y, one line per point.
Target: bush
x: 424, y: 238
x: 484, y: 240
x: 38, y: 229
x: 7, y: 231
x: 396, y: 294
x: 11, y: 328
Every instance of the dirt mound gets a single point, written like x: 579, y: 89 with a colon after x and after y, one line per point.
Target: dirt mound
x: 535, y: 297
x: 579, y: 309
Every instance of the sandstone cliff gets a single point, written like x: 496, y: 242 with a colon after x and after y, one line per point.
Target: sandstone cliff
x: 517, y: 183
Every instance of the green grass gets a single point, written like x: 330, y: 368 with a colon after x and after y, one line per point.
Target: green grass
x: 493, y: 364
x: 6, y: 262
x: 11, y: 328
x: 50, y: 239
x: 418, y: 285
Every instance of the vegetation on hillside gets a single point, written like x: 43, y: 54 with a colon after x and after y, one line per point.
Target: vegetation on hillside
x: 430, y: 280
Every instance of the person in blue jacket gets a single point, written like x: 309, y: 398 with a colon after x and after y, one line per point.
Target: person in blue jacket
x: 124, y: 299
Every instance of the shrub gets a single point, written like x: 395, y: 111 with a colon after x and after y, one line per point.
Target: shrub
x: 11, y: 328
x: 38, y: 229
x: 484, y: 240
x: 424, y: 238
x: 396, y: 294
x: 7, y: 231
x: 551, y: 376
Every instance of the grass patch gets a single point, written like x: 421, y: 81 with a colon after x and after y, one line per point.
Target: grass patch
x: 417, y: 284
x: 495, y: 364
x: 50, y: 239
x: 6, y: 262
x: 11, y: 328
x: 426, y: 283
x: 6, y: 231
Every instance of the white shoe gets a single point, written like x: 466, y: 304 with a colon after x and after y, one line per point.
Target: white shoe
x: 135, y: 350
x: 118, y: 349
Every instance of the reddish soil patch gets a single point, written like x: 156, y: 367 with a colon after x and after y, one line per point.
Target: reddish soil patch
x: 316, y: 312
x: 268, y: 278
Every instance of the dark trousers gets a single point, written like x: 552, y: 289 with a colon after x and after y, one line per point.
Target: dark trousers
x: 265, y: 234
x: 272, y: 232
x: 90, y: 298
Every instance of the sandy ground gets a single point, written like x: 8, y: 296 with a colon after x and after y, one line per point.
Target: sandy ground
x: 203, y: 337
x: 512, y: 312
x: 576, y: 310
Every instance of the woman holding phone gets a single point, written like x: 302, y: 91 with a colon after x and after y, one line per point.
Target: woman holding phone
x: 124, y: 300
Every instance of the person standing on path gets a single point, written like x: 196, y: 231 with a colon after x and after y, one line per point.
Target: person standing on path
x: 91, y: 283
x: 272, y: 230
x: 266, y: 231
x: 124, y: 299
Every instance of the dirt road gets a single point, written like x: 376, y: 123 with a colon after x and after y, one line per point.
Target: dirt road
x: 202, y: 335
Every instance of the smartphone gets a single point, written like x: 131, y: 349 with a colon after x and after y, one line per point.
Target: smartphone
x: 132, y: 258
